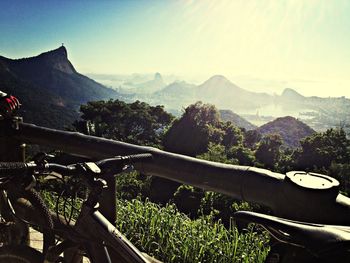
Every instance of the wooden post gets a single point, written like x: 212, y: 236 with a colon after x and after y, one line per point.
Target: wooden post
x: 108, y: 201
x: 13, y: 150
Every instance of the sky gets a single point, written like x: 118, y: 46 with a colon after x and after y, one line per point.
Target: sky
x: 262, y: 45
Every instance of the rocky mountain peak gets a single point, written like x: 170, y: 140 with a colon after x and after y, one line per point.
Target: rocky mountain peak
x: 289, y: 93
x: 58, y: 53
x: 218, y: 79
x: 158, y: 77
x: 58, y: 59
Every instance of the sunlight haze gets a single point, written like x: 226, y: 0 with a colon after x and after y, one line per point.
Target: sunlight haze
x: 298, y: 44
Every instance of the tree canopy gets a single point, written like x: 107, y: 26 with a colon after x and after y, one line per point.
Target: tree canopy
x: 136, y: 122
x: 199, y: 126
x: 321, y: 149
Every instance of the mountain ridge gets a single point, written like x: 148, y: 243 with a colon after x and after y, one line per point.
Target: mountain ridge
x: 239, y: 121
x: 53, y: 76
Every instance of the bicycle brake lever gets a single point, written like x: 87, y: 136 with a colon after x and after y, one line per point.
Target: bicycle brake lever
x: 92, y: 167
x: 41, y: 158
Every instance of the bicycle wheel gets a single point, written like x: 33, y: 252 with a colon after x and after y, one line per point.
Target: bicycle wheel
x: 41, y: 213
x: 20, y: 254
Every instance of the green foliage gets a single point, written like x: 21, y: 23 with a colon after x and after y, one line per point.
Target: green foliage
x: 198, y: 128
x: 170, y: 236
x: 136, y: 122
x: 40, y: 106
x: 232, y: 135
x: 321, y: 149
x: 217, y: 153
x: 188, y: 199
x: 286, y: 161
x: 251, y: 138
x: 268, y: 151
x: 341, y: 172
x: 192, y: 133
x: 222, y: 207
x: 290, y: 129
x: 244, y: 156
x: 132, y: 185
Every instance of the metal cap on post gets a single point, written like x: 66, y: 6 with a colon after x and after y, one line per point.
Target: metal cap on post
x: 321, y: 186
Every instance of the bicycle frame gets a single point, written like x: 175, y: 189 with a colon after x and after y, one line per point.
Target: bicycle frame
x: 92, y: 225
x: 107, y: 245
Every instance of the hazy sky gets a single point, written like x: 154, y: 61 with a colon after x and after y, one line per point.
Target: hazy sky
x: 260, y: 45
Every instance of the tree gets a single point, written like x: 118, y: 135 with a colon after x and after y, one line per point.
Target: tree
x: 217, y: 153
x: 199, y: 126
x: 192, y: 133
x: 251, y: 138
x: 233, y: 135
x: 136, y: 122
x: 319, y: 150
x: 244, y: 156
x: 268, y: 151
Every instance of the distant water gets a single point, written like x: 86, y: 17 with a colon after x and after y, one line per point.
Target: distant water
x: 267, y: 113
x: 277, y: 110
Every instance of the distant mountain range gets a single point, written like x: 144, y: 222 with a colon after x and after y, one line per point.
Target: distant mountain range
x: 257, y: 108
x: 146, y: 87
x: 52, y: 91
x: 49, y: 87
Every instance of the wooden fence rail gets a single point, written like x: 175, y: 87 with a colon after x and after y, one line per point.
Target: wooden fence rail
x: 277, y: 191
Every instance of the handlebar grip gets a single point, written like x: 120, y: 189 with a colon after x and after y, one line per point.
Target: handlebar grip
x: 140, y: 157
x: 13, y: 168
x: 117, y: 163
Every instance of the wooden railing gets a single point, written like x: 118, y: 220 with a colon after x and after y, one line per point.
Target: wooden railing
x: 252, y: 184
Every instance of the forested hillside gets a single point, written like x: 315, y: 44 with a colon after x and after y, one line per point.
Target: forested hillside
x: 49, y: 87
x: 291, y: 130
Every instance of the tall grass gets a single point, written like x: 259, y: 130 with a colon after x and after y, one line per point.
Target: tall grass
x: 171, y: 236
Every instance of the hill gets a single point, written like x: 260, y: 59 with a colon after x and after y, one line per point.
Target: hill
x: 146, y: 87
x: 319, y: 113
x: 228, y: 115
x: 49, y: 87
x: 221, y: 92
x: 290, y: 129
x: 176, y: 95
x: 290, y: 94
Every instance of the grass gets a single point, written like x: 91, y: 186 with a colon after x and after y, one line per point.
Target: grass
x: 171, y: 236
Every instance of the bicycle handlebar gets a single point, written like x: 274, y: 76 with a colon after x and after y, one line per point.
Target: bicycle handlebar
x: 111, y: 163
x: 23, y: 169
x: 15, y: 168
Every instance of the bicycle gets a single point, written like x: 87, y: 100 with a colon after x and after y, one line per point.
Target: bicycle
x: 92, y: 234
x: 294, y: 241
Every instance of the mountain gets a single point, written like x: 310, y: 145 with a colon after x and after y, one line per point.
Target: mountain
x: 176, y: 95
x: 217, y: 90
x: 319, y: 113
x: 256, y: 107
x: 228, y: 115
x: 221, y: 92
x: 49, y: 87
x: 290, y: 94
x: 290, y: 129
x: 147, y: 87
